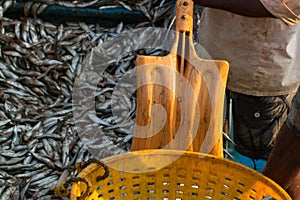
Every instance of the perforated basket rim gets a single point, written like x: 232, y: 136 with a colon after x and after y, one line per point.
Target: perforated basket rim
x: 192, y: 155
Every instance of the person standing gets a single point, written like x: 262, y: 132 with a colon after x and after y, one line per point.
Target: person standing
x: 261, y: 41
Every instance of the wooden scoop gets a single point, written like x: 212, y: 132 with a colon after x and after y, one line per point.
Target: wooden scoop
x: 180, y: 96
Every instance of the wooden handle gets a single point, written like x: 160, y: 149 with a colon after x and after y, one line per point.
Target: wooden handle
x: 184, y: 15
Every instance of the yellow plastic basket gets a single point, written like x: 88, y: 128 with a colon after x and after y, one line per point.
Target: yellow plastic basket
x: 176, y: 175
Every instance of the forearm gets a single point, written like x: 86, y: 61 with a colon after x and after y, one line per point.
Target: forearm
x: 249, y: 8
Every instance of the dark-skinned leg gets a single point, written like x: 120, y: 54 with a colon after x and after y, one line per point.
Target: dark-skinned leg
x: 294, y: 188
x: 283, y: 165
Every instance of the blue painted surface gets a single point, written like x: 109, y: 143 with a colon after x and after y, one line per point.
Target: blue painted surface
x: 256, y: 164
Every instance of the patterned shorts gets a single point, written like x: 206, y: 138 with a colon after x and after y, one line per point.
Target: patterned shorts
x: 293, y: 120
x: 257, y: 121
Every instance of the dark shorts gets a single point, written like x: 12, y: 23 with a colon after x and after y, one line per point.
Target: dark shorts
x: 257, y: 121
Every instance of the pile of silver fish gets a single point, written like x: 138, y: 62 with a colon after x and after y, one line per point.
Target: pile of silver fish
x: 39, y: 62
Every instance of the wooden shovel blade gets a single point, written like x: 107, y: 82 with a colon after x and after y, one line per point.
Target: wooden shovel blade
x: 189, y: 90
x: 156, y: 80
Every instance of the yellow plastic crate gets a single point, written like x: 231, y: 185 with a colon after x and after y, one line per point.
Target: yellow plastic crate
x: 176, y: 175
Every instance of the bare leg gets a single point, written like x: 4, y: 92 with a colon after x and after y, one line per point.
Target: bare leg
x: 283, y: 165
x: 294, y: 188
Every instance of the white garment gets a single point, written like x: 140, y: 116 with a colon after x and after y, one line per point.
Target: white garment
x: 263, y: 53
